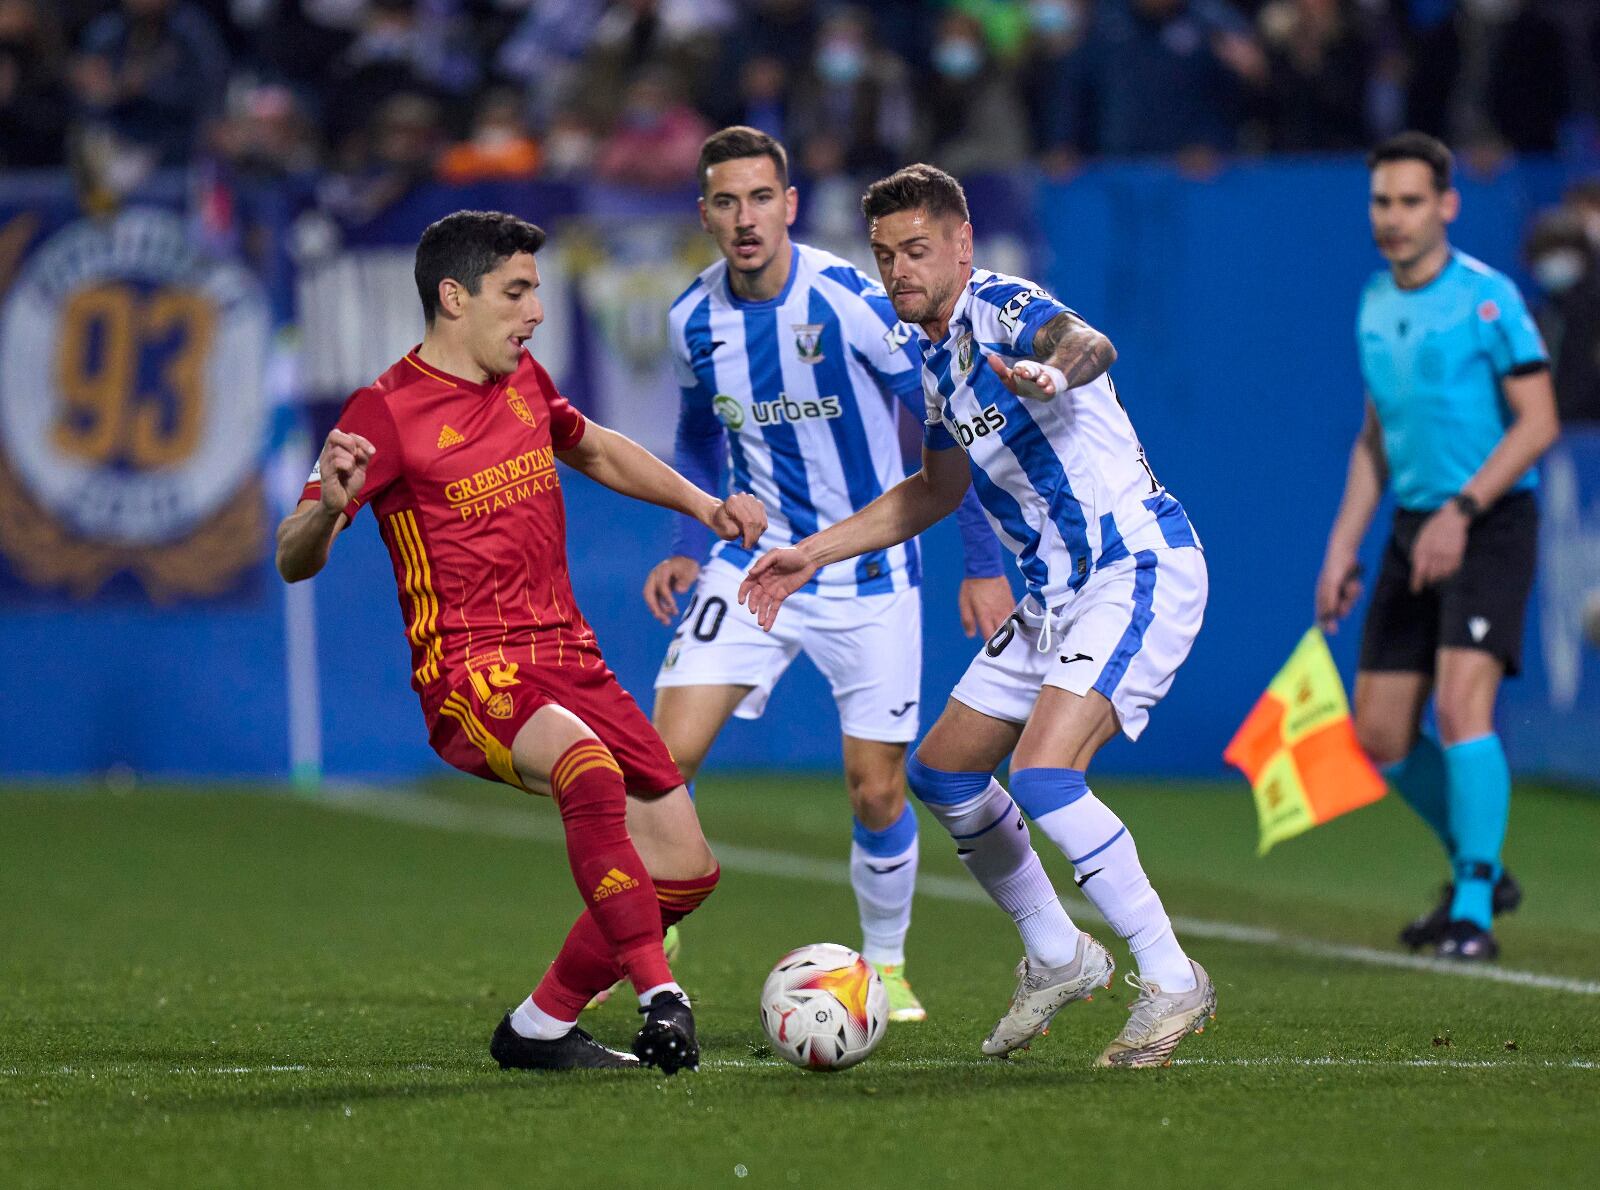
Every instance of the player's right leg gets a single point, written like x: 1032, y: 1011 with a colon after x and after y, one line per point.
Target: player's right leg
x: 952, y: 772
x: 1398, y: 644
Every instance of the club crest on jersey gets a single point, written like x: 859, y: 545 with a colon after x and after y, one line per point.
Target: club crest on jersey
x: 808, y: 342
x: 519, y: 406
x: 964, y: 354
x: 728, y: 410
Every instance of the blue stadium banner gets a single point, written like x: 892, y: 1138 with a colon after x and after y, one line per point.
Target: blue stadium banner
x: 133, y: 419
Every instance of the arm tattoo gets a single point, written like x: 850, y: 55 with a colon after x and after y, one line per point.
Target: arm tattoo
x: 1076, y: 348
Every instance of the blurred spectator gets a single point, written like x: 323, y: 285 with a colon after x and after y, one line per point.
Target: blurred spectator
x: 1321, y: 58
x: 763, y: 101
x: 677, y: 36
x: 1164, y: 76
x: 403, y: 47
x: 380, y: 164
x: 570, y: 145
x: 1583, y: 200
x: 1004, y: 25
x: 783, y: 29
x: 152, y: 74
x: 856, y: 94
x: 973, y: 118
x: 545, y: 52
x: 1056, y: 29
x: 298, y: 40
x: 1486, y: 72
x: 1525, y: 89
x: 657, y: 138
x: 499, y: 147
x: 33, y: 100
x: 267, y: 135
x: 1566, y: 265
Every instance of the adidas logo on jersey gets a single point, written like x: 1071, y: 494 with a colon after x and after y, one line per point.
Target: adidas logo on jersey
x: 614, y: 882
x: 786, y: 408
x: 449, y: 437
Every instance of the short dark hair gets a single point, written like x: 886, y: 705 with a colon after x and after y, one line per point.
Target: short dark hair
x: 465, y: 246
x: 1417, y: 146
x: 738, y: 141
x: 916, y: 187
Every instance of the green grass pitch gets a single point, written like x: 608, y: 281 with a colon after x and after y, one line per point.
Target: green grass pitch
x: 224, y: 987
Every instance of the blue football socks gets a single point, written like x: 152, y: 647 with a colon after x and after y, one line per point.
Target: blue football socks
x: 1480, y: 802
x: 1423, y: 781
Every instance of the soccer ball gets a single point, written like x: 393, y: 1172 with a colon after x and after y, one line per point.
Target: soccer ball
x: 824, y: 1007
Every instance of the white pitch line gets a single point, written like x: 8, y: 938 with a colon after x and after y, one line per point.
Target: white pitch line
x: 882, y: 1064
x: 442, y: 814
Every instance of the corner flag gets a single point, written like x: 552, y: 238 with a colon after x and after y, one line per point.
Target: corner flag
x: 1298, y: 749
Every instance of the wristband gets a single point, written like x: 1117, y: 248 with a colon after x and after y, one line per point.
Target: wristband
x: 1467, y: 505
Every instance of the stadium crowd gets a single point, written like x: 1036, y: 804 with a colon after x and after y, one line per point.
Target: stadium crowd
x: 371, y: 97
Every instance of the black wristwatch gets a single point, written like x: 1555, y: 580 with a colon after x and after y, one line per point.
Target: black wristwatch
x: 1468, y: 505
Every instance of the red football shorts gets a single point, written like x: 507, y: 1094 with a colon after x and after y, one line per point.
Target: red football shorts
x: 475, y: 724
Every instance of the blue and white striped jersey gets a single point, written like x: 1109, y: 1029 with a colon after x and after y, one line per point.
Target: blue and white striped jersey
x: 804, y: 388
x: 1064, y: 482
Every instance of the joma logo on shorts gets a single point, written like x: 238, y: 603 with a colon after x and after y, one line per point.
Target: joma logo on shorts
x: 786, y: 408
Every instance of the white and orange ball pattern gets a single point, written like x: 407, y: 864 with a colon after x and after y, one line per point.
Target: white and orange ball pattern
x: 824, y: 1007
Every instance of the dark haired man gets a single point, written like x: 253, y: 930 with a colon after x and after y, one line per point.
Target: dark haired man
x: 792, y: 364
x: 455, y: 448
x: 1459, y: 409
x: 1116, y: 591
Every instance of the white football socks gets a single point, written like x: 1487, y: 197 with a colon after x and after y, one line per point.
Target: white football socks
x: 534, y: 1023
x: 884, y: 885
x: 1108, y: 870
x: 993, y: 844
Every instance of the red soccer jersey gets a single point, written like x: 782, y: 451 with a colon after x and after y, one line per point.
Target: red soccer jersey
x: 463, y: 483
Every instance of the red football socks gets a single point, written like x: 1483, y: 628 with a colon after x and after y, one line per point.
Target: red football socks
x: 621, y: 898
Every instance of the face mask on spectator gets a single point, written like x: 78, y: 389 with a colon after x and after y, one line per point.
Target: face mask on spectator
x: 1055, y: 18
x: 840, y: 61
x: 1560, y: 270
x: 958, y: 58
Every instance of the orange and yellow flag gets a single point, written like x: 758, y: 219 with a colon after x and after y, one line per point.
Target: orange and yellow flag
x: 1298, y: 749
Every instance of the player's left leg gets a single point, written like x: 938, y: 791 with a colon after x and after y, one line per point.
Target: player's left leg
x: 1122, y: 642
x: 870, y: 649
x: 1480, y: 794
x: 883, y: 863
x: 1481, y: 612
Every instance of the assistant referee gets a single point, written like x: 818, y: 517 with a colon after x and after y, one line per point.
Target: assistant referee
x: 1459, y: 409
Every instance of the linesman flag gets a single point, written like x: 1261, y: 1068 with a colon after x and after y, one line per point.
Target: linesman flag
x: 1298, y: 749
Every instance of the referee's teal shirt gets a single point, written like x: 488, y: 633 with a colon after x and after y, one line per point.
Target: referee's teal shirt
x: 1433, y: 359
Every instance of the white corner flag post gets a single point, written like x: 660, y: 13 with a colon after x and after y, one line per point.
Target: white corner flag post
x: 291, y: 447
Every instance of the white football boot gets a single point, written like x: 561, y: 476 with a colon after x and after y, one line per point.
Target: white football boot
x: 1158, y: 1020
x: 1044, y: 991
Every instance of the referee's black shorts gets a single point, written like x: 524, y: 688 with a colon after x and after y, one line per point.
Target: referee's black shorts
x: 1482, y: 606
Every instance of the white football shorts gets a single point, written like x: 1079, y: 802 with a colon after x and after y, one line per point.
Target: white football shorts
x: 1124, y: 633
x: 869, y: 647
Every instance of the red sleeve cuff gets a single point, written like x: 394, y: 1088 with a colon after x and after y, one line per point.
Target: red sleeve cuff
x: 576, y: 436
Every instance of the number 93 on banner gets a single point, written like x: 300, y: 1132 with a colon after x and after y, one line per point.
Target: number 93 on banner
x: 131, y: 377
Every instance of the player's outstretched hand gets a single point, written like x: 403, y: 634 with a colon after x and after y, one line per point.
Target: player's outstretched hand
x: 1439, y: 548
x: 1029, y: 378
x: 342, y: 468
x: 776, y: 575
x: 1338, y: 588
x: 666, y: 582
x: 985, y: 604
x: 741, y: 517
